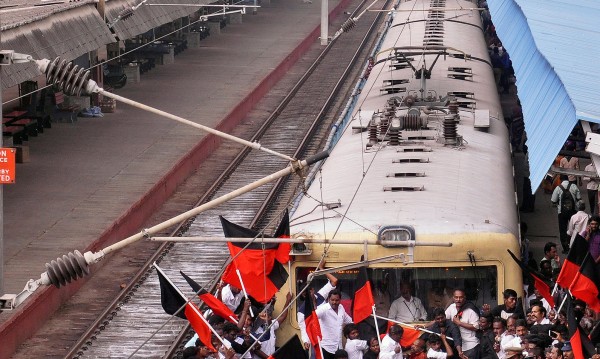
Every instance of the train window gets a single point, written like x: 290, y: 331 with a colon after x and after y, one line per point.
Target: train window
x: 433, y: 286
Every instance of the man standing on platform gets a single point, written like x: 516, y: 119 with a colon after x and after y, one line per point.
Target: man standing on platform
x: 564, y: 213
x: 464, y: 315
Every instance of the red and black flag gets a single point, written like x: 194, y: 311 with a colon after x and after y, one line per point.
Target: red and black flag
x: 260, y: 264
x: 409, y: 334
x: 539, y: 283
x: 313, y: 328
x: 585, y: 284
x: 573, y: 261
x: 283, y: 231
x: 582, y: 346
x: 292, y: 349
x: 173, y: 300
x: 362, y: 305
x: 219, y: 308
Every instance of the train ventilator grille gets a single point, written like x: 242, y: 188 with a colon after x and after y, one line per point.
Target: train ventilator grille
x: 414, y: 149
x: 406, y: 174
x: 411, y: 160
x: 403, y: 188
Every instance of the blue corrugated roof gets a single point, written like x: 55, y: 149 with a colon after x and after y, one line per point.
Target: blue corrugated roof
x: 554, y: 47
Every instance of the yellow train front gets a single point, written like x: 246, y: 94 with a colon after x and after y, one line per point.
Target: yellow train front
x: 422, y: 169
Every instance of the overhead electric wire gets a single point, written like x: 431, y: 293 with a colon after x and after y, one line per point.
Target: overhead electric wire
x: 371, y: 162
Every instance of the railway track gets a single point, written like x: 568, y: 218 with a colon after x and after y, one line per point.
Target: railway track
x: 135, y: 324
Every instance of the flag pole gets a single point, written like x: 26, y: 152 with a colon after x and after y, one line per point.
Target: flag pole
x: 554, y: 289
x: 411, y: 326
x: 290, y: 274
x: 186, y: 303
x: 210, y: 326
x: 320, y: 347
x: 244, y: 290
x: 563, y: 302
x: 376, y: 327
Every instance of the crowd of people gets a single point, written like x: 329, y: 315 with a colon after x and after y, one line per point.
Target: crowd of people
x: 526, y: 325
x: 521, y: 327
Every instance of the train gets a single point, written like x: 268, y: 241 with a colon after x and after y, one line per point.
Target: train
x: 422, y: 170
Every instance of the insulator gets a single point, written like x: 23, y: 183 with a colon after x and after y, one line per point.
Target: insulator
x: 348, y: 25
x: 453, y: 107
x: 411, y: 122
x: 69, y: 77
x: 394, y: 136
x: 449, y: 127
x: 372, y: 133
x: 70, y: 267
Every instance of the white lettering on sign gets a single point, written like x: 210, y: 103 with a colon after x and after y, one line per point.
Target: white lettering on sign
x: 5, y: 178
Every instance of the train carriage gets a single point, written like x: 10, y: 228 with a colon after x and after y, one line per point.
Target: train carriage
x: 423, y: 168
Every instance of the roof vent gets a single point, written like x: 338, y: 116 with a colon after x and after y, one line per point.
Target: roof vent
x: 461, y: 94
x: 460, y: 73
x: 411, y: 160
x: 406, y: 174
x: 414, y: 149
x: 403, y: 188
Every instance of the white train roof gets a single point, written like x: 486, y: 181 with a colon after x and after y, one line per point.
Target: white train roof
x: 460, y: 189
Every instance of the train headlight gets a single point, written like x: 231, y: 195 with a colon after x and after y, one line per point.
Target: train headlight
x: 396, y: 236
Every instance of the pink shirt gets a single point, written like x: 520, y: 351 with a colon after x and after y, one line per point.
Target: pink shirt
x: 572, y: 164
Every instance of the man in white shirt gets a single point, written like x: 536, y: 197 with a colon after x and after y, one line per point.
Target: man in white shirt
x: 407, y: 308
x: 266, y: 316
x: 466, y: 318
x: 390, y: 344
x: 332, y: 318
x: 230, y: 295
x: 355, y: 347
x: 578, y: 222
x: 538, y: 312
x: 500, y: 335
x: 319, y: 299
x: 435, y: 347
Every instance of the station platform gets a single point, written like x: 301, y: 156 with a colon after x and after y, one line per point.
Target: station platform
x: 542, y: 221
x: 92, y: 182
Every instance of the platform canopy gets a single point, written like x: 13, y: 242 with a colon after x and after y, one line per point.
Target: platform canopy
x: 555, y: 49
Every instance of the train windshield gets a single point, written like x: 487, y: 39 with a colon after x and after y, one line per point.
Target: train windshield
x: 432, y: 287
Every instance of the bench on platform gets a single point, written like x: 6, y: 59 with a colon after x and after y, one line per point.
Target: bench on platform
x: 34, y: 111
x: 33, y: 124
x: 17, y: 134
x: 62, y: 110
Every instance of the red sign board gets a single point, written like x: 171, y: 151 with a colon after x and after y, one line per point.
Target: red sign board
x: 7, y: 165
